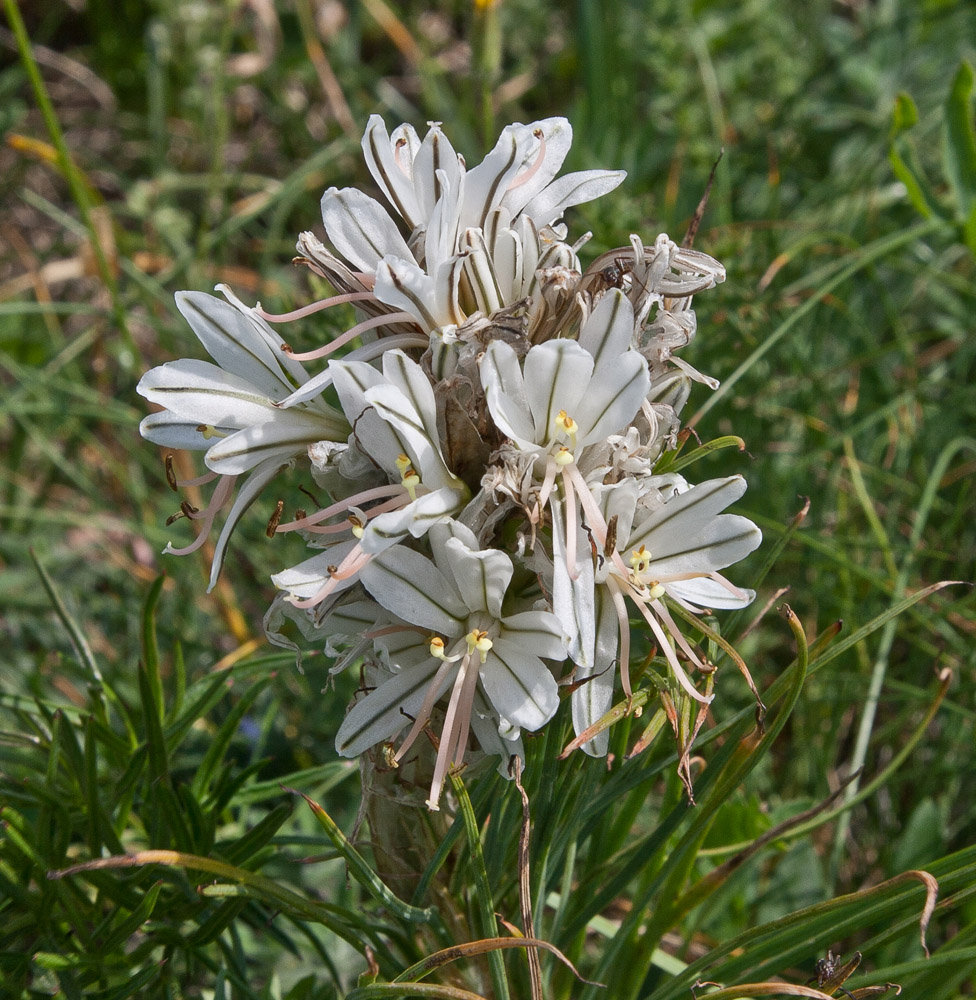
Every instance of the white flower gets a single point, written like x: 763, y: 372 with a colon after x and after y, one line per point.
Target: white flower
x: 677, y: 549
x: 394, y: 421
x: 229, y: 409
x: 475, y: 649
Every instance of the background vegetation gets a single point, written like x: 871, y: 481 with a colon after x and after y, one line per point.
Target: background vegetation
x: 138, y: 714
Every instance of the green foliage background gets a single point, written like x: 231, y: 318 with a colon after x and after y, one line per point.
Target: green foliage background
x: 138, y: 715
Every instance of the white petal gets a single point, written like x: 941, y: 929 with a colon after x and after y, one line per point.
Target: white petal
x: 557, y: 375
x: 613, y: 397
x: 572, y: 600
x: 234, y: 342
x: 385, y: 711
x: 501, y: 378
x: 609, y: 329
x: 404, y: 285
x: 519, y: 685
x: 482, y: 577
x: 246, y: 495
x: 200, y: 391
x: 289, y: 433
x: 360, y: 229
x: 171, y: 431
x: 388, y: 170
x: 569, y: 190
x: 720, y: 543
x: 435, y: 154
x: 414, y: 589
x: 487, y: 183
x: 704, y: 592
x: 592, y: 700
x: 689, y: 511
x: 310, y: 576
x: 558, y: 135
x: 536, y: 632
x: 439, y: 534
x: 415, y: 519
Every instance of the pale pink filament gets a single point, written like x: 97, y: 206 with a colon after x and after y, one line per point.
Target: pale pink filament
x: 335, y: 300
x: 367, y: 324
x: 623, y: 621
x: 527, y: 175
x: 350, y: 566
x: 207, y: 477
x: 433, y: 690
x: 342, y: 506
x: 457, y: 721
x: 333, y: 529
x: 220, y: 496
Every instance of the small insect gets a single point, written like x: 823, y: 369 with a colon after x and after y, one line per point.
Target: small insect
x: 831, y: 975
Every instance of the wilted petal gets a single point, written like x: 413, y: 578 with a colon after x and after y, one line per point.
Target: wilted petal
x: 360, y: 229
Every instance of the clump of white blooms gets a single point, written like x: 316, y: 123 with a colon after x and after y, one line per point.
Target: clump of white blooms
x: 498, y: 510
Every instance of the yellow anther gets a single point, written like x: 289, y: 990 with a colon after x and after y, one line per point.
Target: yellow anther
x: 563, y: 457
x: 356, y: 524
x: 483, y: 645
x: 640, y: 560
x: 402, y: 464
x: 656, y: 591
x: 437, y: 648
x: 209, y: 431
x: 566, y: 423
x: 410, y: 481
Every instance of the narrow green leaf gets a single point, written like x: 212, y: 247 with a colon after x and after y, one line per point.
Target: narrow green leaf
x: 961, y: 140
x: 360, y: 869
x: 251, y: 842
x: 479, y: 876
x: 150, y: 647
x: 222, y: 739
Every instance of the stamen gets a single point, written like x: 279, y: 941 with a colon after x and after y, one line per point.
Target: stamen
x: 341, y: 507
x: 219, y: 497
x: 350, y: 566
x: 527, y: 175
x: 207, y: 477
x: 563, y: 456
x: 401, y: 145
x: 274, y: 519
x: 352, y: 334
x: 595, y: 516
x: 209, y: 431
x: 544, y: 491
x: 333, y: 529
x: 335, y: 300
x: 423, y: 716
